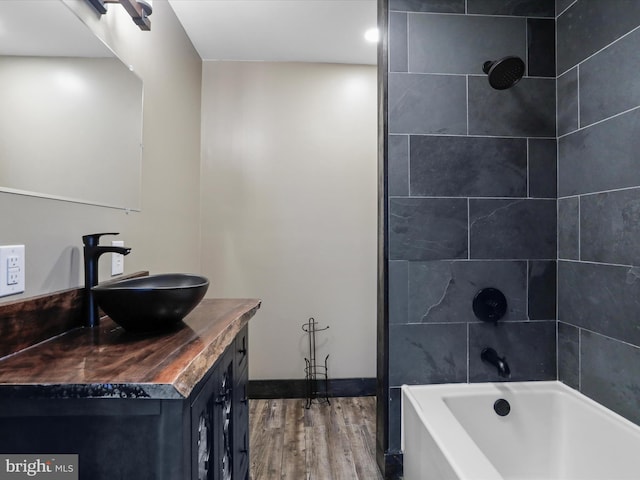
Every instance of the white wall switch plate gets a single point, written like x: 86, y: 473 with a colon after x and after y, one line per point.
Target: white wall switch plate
x: 11, y: 270
x: 117, y: 260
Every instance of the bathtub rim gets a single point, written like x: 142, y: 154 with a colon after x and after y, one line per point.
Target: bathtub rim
x: 445, y: 429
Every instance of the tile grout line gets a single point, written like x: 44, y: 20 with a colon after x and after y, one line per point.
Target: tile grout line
x: 467, y: 102
x: 528, y: 169
x: 577, y: 95
x: 579, y: 230
x: 591, y: 262
x: 468, y: 228
x: 468, y: 354
x: 599, y: 192
x: 586, y: 127
x: 472, y: 197
x: 471, y: 135
x: 601, y: 49
x: 567, y: 8
x: 408, y: 286
x: 476, y: 322
x: 579, y: 359
x: 462, y: 14
x: 408, y: 141
x: 462, y: 74
x: 506, y: 259
x: 608, y: 337
x: 557, y: 349
x: 526, y: 44
x: 407, y: 39
x: 526, y: 289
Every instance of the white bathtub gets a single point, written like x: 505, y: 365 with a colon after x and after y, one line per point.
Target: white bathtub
x: 552, y: 432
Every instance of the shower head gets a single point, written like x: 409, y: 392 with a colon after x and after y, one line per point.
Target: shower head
x: 504, y: 73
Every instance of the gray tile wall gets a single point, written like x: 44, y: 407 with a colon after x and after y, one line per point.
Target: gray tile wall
x: 472, y: 192
x: 599, y: 201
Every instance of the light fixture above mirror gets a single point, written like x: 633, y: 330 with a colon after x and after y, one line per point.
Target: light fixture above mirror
x: 139, y: 10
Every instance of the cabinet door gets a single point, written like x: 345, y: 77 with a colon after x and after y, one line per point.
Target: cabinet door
x: 223, y: 418
x: 212, y: 424
x: 203, y: 431
x: 220, y: 418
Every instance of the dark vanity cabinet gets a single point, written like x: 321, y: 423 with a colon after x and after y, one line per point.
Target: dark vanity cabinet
x: 170, y: 407
x: 220, y: 419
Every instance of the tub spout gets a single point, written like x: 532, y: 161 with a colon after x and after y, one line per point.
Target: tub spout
x: 490, y: 356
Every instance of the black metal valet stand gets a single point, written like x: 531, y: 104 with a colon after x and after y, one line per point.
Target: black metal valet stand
x: 316, y: 376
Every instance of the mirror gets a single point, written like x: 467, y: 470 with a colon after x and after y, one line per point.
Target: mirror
x: 71, y: 111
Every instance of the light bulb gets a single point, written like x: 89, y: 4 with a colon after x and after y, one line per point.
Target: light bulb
x: 372, y: 35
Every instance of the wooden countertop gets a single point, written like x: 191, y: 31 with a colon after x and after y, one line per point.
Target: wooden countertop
x: 108, y: 362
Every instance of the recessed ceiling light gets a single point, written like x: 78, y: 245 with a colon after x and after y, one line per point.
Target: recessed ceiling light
x: 372, y: 35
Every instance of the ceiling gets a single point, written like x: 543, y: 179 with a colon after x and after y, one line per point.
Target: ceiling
x: 330, y: 31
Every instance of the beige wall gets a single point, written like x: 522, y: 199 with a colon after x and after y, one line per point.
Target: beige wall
x: 288, y: 174
x: 289, y: 207
x: 165, y: 235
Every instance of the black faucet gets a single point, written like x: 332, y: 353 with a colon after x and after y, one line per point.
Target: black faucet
x: 490, y: 356
x: 92, y: 252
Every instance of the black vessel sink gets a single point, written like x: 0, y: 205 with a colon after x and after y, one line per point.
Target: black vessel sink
x: 153, y: 303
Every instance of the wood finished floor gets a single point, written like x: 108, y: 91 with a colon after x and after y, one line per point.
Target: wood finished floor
x: 325, y: 442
